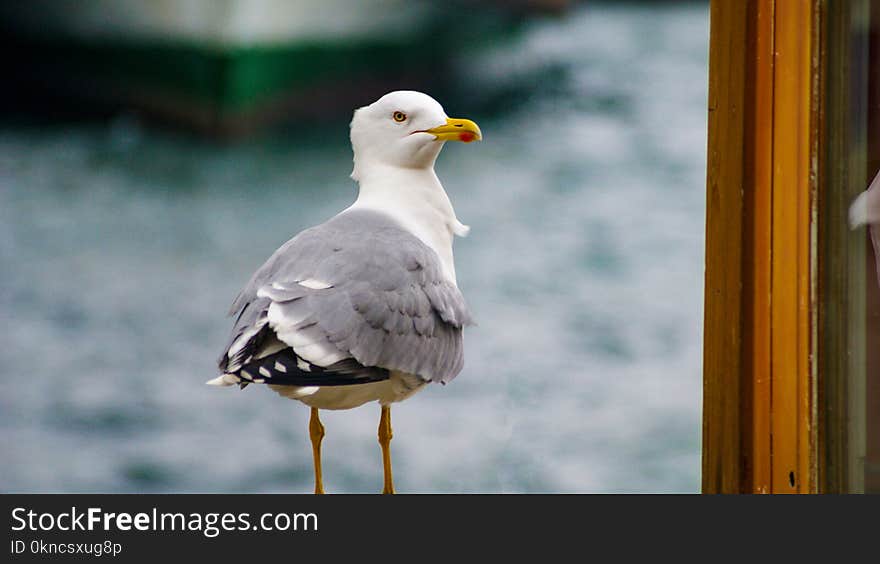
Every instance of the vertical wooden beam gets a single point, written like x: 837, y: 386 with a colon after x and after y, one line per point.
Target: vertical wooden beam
x: 760, y: 315
x: 722, y: 423
x: 757, y: 258
x: 793, y: 244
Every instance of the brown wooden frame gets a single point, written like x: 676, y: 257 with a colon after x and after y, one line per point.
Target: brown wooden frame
x: 759, y: 374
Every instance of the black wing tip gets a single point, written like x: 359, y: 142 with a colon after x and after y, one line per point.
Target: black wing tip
x: 286, y: 368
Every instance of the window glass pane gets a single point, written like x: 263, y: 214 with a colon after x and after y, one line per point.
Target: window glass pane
x: 849, y: 276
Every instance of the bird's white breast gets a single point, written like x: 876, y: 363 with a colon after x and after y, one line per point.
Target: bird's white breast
x: 415, y: 199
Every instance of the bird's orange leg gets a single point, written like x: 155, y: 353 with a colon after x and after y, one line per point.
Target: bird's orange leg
x: 385, y: 435
x: 316, y: 432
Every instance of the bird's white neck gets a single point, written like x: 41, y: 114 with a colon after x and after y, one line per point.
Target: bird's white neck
x: 415, y: 199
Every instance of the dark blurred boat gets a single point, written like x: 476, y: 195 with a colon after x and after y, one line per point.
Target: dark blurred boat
x: 229, y: 67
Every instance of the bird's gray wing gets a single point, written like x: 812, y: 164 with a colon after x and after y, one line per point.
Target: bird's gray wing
x: 344, y: 303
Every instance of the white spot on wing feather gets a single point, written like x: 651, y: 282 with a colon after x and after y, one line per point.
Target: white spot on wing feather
x: 224, y: 380
x: 286, y: 315
x: 308, y: 342
x: 314, y: 284
x: 320, y: 354
x: 239, y: 343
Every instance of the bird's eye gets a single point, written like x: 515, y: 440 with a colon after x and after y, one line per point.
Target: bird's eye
x: 398, y: 116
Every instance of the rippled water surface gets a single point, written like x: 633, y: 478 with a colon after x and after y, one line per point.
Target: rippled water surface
x: 122, y: 248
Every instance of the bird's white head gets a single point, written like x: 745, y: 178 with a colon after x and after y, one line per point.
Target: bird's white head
x: 404, y: 129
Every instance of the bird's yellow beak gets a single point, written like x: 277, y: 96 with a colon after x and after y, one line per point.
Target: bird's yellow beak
x: 457, y: 130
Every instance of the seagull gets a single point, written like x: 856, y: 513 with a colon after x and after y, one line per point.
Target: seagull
x: 363, y: 307
x: 865, y: 210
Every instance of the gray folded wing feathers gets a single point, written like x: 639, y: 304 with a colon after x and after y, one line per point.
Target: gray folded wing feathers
x: 373, y: 290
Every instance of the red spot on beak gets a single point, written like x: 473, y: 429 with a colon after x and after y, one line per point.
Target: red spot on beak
x: 466, y: 136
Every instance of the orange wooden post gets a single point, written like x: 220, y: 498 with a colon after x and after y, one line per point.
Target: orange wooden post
x: 758, y: 253
x: 724, y: 215
x: 760, y: 322
x: 795, y: 159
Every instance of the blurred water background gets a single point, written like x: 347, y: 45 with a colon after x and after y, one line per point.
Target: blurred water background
x: 122, y: 247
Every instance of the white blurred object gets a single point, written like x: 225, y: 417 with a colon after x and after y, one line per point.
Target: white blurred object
x: 865, y: 209
x: 222, y: 23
